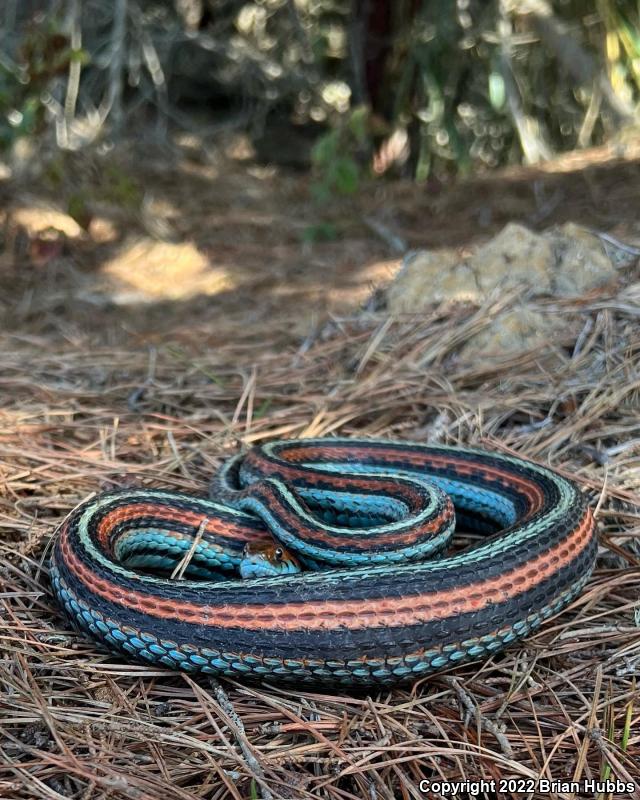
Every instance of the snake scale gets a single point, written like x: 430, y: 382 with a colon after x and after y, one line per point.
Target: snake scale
x: 347, y: 538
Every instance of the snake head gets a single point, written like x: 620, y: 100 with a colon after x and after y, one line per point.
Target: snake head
x: 266, y: 560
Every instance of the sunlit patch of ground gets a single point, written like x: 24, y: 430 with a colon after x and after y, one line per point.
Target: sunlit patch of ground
x: 148, y: 271
x: 36, y: 220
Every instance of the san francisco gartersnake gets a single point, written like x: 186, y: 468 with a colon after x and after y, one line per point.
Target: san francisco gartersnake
x: 345, y: 506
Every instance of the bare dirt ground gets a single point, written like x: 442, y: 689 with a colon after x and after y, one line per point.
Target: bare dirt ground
x: 217, y: 251
x: 146, y: 349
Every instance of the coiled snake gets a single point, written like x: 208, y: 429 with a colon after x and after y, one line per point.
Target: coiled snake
x: 354, y: 589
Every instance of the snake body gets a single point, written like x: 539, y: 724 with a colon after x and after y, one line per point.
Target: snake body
x: 365, y: 518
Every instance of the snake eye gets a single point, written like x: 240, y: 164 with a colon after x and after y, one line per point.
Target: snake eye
x: 278, y: 553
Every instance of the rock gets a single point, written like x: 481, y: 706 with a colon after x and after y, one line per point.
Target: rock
x: 516, y: 258
x: 431, y: 277
x: 566, y: 262
x: 582, y: 263
x: 515, y: 330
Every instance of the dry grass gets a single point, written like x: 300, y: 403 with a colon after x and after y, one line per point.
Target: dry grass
x: 79, y: 723
x: 81, y: 413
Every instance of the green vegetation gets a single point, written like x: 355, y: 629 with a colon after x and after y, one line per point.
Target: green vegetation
x: 453, y: 86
